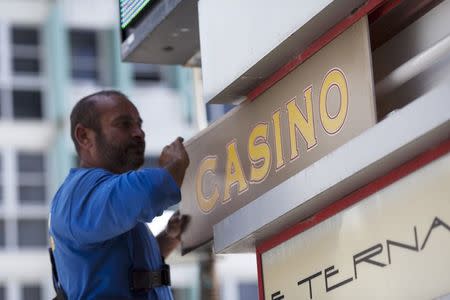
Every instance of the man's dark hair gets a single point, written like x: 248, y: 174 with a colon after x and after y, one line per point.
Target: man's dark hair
x: 85, y: 113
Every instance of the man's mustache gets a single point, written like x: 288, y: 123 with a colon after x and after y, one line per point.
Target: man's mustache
x: 137, y: 145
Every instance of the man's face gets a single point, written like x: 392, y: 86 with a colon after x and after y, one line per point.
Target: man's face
x: 120, y: 145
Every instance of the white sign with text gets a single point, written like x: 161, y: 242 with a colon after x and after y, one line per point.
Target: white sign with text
x: 395, y: 244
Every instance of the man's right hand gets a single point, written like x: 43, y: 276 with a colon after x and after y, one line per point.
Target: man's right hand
x: 175, y: 159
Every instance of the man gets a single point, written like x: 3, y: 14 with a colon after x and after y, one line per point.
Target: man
x: 100, y: 244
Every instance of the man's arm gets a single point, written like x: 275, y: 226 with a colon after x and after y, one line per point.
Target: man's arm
x: 170, y: 238
x: 108, y: 205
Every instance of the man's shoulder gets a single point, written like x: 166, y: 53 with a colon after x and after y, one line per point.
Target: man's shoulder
x: 79, y: 180
x: 87, y: 175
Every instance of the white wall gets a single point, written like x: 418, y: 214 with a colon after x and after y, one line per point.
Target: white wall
x: 235, y: 35
x: 91, y: 13
x: 19, y: 11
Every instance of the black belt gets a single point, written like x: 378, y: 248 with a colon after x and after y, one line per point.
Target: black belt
x: 143, y: 280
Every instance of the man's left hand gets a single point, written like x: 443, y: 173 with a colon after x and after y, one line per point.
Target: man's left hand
x: 176, y: 225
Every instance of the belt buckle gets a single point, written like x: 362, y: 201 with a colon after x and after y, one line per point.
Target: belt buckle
x: 156, y: 280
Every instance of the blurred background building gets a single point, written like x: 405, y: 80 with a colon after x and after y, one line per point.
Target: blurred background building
x: 52, y: 53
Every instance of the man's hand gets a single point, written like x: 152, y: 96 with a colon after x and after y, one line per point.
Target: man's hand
x: 169, y: 239
x: 176, y: 225
x: 175, y: 159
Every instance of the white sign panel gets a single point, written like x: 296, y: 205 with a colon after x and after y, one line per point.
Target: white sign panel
x: 395, y: 244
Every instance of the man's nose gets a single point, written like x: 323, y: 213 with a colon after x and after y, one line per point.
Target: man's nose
x: 138, y: 132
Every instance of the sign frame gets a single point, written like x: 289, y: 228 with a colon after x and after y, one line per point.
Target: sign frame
x: 264, y: 142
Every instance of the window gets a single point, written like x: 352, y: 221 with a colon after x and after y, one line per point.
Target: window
x: 30, y: 162
x: 26, y: 65
x: 146, y: 72
x: 27, y: 104
x: 31, y: 292
x: 31, y: 194
x: 2, y: 234
x: 84, y: 54
x: 1, y: 179
x: 1, y: 104
x: 32, y: 183
x: 248, y: 291
x: 25, y: 51
x: 32, y: 232
x: 2, y: 292
x: 25, y: 36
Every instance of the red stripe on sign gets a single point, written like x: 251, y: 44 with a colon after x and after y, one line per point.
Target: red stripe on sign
x: 260, y: 275
x: 338, y: 206
x: 318, y: 44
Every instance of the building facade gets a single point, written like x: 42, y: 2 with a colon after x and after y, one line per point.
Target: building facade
x: 53, y: 53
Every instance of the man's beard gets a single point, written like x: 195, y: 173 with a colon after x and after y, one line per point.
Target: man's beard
x: 124, y: 157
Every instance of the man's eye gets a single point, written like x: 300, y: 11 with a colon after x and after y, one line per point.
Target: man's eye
x: 126, y: 124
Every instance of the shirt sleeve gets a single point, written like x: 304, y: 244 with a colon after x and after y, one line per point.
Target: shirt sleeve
x: 113, y: 204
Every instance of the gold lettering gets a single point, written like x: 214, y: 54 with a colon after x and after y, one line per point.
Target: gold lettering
x: 277, y: 134
x: 233, y: 172
x: 334, y: 78
x: 298, y: 122
x: 259, y: 153
x: 206, y: 203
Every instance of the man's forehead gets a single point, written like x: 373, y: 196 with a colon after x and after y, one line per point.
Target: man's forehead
x: 115, y: 105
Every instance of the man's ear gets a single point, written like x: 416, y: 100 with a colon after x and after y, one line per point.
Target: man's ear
x: 85, y: 137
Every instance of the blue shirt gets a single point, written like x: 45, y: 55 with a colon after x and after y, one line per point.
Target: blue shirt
x: 97, y: 223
